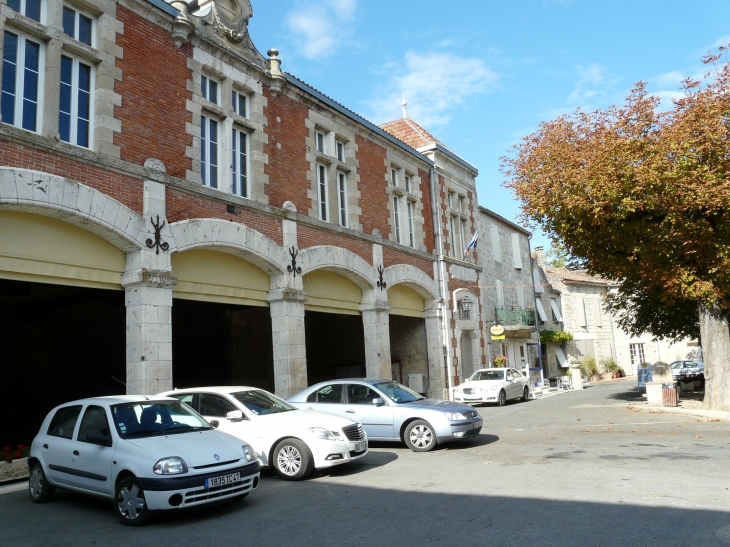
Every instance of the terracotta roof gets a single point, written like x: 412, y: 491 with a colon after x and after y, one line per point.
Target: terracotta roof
x: 410, y: 133
x: 577, y: 276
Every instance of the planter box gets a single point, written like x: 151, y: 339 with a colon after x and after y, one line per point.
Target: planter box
x: 17, y: 469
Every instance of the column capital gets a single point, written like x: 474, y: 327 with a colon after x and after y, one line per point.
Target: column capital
x: 432, y: 313
x: 375, y: 305
x: 286, y: 295
x: 148, y: 278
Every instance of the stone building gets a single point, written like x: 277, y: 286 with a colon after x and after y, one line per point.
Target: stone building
x: 175, y: 210
x: 507, y: 292
x: 549, y: 318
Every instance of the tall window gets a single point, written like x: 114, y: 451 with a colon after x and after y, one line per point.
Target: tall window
x: 396, y: 211
x: 21, y: 81
x: 637, y: 353
x: 239, y: 163
x: 394, y: 177
x: 74, y: 116
x: 29, y: 8
x: 408, y: 183
x: 454, y: 237
x: 342, y: 197
x: 209, y: 151
x: 319, y: 141
x: 450, y: 200
x: 340, y: 150
x: 209, y: 89
x: 239, y: 104
x: 411, y: 234
x: 77, y: 25
x: 462, y: 238
x: 322, y: 191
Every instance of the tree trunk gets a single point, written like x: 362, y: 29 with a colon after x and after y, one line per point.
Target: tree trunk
x: 716, y: 350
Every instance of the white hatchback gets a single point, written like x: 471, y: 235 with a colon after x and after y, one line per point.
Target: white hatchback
x: 143, y: 454
x: 293, y: 441
x: 493, y: 385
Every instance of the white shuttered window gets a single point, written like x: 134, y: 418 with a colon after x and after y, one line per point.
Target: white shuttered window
x: 581, y: 305
x: 516, y: 255
x: 496, y: 248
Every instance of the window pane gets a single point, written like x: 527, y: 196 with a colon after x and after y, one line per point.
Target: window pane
x: 10, y: 53
x: 64, y: 421
x: 213, y: 91
x: 33, y: 9
x: 30, y: 86
x: 213, y: 153
x: 203, y: 144
x: 213, y: 405
x: 64, y: 118
x: 84, y: 30
x: 14, y: 5
x: 69, y: 22
x: 94, y: 421
x: 243, y: 186
x: 397, y: 219
x: 204, y: 86
x: 234, y: 153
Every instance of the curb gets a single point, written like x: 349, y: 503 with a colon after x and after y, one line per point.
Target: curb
x: 697, y: 413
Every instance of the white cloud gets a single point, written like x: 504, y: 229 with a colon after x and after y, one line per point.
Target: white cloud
x: 319, y: 27
x: 434, y: 84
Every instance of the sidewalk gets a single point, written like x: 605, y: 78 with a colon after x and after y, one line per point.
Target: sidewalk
x: 689, y: 410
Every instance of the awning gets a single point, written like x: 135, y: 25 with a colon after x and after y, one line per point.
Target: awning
x: 561, y: 356
x: 540, y: 310
x: 556, y: 311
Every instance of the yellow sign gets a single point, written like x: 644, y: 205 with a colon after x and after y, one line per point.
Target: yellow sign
x: 497, y: 330
x: 498, y: 337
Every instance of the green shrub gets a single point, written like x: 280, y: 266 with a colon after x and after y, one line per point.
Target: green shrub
x: 589, y: 367
x: 555, y: 336
x: 610, y: 366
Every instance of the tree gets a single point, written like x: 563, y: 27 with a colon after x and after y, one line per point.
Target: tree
x: 557, y: 257
x: 642, y: 197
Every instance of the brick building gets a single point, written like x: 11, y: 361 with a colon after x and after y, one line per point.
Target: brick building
x: 175, y: 210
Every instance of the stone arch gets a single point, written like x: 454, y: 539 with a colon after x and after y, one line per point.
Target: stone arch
x: 232, y: 238
x: 459, y: 294
x: 36, y: 192
x: 344, y: 262
x: 414, y: 278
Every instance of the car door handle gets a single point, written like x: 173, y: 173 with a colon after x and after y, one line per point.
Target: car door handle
x: 45, y: 446
x: 76, y: 453
x: 350, y: 411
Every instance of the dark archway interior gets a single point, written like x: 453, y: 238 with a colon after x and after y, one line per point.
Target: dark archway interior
x: 57, y: 344
x: 221, y: 344
x: 335, y: 346
x: 408, y: 347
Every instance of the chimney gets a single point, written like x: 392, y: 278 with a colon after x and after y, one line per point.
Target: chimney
x: 540, y: 256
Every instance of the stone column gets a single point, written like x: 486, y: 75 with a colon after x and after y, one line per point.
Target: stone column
x: 290, y: 351
x: 148, y: 300
x: 376, y: 323
x: 435, y: 349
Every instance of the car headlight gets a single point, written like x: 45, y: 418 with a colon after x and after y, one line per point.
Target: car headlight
x: 249, y: 453
x: 455, y: 416
x: 170, y: 466
x: 326, y: 434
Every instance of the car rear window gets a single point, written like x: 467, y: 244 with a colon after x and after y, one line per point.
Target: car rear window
x: 64, y: 421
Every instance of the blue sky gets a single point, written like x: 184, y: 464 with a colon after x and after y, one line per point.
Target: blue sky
x: 481, y: 74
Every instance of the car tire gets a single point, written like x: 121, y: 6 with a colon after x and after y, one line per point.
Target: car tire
x: 293, y: 460
x: 130, y: 504
x: 525, y: 394
x: 419, y: 436
x: 502, y: 398
x: 40, y: 490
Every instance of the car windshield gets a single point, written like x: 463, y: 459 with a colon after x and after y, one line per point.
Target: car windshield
x: 398, y: 393
x: 262, y: 402
x: 156, y: 418
x: 487, y: 375
x: 676, y: 365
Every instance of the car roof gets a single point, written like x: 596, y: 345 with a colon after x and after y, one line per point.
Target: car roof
x: 215, y: 389
x: 494, y: 368
x: 371, y: 381
x: 117, y: 399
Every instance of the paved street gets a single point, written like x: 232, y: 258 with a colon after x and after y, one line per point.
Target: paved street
x: 576, y: 469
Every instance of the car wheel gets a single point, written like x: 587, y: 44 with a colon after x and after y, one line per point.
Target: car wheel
x: 130, y: 503
x: 502, y: 399
x: 293, y: 460
x: 420, y: 436
x: 526, y: 394
x: 39, y: 488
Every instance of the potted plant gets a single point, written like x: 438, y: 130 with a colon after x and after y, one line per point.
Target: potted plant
x: 500, y: 361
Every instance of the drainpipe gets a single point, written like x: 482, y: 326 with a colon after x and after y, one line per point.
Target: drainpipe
x: 613, y: 334
x: 438, y: 239
x: 537, y: 319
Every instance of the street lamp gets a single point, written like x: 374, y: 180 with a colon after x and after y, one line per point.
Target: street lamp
x: 465, y: 307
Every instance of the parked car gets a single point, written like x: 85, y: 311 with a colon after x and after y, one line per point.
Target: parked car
x: 390, y: 411
x: 293, y: 441
x: 494, y: 385
x: 686, y: 371
x: 143, y: 454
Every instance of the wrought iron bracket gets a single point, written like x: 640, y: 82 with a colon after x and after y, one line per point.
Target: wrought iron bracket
x: 158, y: 243
x: 293, y: 268
x: 381, y: 283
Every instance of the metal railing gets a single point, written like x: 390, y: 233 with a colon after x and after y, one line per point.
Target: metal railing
x: 516, y: 316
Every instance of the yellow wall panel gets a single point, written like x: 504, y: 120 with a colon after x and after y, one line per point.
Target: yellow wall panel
x: 330, y: 292
x: 405, y: 301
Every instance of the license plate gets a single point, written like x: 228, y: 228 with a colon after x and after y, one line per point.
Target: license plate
x: 360, y: 447
x: 222, y: 480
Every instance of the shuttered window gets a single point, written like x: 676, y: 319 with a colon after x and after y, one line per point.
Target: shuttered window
x: 516, y: 255
x: 496, y: 248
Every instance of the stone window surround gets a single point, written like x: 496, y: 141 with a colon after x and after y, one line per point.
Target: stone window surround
x: 453, y: 211
x: 229, y: 79
x: 334, y: 131
x: 404, y: 168
x: 56, y: 42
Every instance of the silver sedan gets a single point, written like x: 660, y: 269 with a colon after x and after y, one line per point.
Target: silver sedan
x: 390, y: 411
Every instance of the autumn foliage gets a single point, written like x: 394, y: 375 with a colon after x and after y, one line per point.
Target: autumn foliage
x: 638, y: 193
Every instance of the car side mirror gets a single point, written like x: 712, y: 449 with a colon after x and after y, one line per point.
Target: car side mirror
x: 235, y: 416
x: 378, y: 401
x: 99, y: 438
x: 214, y: 423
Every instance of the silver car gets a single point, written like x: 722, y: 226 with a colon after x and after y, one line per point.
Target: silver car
x: 389, y: 411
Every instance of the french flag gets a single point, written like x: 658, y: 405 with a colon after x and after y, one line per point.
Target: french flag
x: 472, y: 243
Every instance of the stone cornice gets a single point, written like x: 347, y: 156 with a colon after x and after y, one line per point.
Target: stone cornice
x: 376, y: 305
x: 149, y: 278
x: 286, y: 295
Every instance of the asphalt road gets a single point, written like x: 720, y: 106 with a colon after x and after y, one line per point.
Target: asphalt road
x: 577, y: 469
